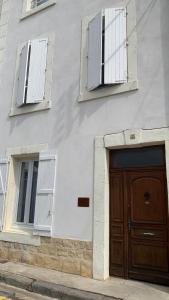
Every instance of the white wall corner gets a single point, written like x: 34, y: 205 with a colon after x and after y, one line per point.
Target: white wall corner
x: 101, y: 212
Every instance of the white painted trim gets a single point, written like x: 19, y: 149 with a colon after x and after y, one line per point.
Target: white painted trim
x: 27, y: 11
x: 14, y: 237
x: 132, y: 83
x: 125, y: 139
x: 26, y: 150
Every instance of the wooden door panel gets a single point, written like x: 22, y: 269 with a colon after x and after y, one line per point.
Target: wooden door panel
x: 117, y: 257
x: 116, y: 192
x: 148, y: 234
x: 117, y: 230
x: 149, y: 256
x: 116, y: 225
x: 145, y: 193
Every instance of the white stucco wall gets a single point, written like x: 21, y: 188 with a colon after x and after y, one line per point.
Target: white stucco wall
x: 70, y: 127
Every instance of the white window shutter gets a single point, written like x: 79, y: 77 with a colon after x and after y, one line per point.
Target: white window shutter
x: 94, y: 73
x: 23, y: 64
x: 3, y: 187
x: 37, y: 71
x: 115, y: 52
x: 45, y: 194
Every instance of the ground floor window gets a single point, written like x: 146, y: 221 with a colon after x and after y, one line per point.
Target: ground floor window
x: 27, y: 191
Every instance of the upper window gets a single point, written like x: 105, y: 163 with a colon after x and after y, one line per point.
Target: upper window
x: 31, y: 7
x: 107, y: 48
x: 32, y: 69
x: 35, y: 3
x: 33, y: 76
x: 109, y: 53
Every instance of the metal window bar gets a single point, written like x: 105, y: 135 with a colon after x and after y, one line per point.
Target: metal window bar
x: 35, y: 3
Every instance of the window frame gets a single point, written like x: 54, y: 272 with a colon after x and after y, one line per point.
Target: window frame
x: 15, y: 223
x: 132, y: 83
x: 37, y: 3
x: 28, y: 11
x: 46, y: 103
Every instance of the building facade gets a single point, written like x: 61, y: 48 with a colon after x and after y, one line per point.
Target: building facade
x: 84, y: 126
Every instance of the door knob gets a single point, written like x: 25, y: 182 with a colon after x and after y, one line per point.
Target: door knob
x: 146, y: 196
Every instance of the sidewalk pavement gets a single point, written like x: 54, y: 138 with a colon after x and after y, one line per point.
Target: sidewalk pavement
x: 56, y: 284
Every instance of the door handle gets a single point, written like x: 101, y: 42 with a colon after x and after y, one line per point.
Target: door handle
x: 148, y: 233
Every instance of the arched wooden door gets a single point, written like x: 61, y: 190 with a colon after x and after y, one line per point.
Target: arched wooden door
x: 139, y: 245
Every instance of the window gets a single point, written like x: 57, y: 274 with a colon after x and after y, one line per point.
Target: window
x: 33, y: 76
x: 31, y: 7
x: 27, y: 192
x: 32, y: 70
x: 35, y: 3
x: 27, y: 189
x: 109, y: 53
x: 107, y: 48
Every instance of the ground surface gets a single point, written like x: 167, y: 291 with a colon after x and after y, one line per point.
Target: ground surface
x: 9, y: 293
x: 113, y: 287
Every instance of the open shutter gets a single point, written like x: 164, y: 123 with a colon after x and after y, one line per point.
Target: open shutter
x: 94, y: 76
x: 3, y: 187
x: 115, y: 52
x: 45, y: 194
x: 37, y: 71
x: 22, y: 74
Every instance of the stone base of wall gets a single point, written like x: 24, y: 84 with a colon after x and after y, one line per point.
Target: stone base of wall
x: 70, y: 256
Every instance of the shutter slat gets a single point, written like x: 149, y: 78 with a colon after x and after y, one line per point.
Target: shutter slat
x: 94, y: 72
x: 3, y: 187
x: 23, y: 64
x: 37, y: 71
x: 45, y: 193
x: 115, y: 58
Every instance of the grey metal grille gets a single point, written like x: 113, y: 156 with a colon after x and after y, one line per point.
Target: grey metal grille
x: 35, y: 3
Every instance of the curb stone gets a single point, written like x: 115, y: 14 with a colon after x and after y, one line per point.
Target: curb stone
x: 50, y: 289
x: 16, y: 280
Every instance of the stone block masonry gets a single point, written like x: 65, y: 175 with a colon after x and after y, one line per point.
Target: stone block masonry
x: 69, y: 256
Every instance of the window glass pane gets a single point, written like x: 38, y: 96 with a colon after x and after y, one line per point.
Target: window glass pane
x: 142, y: 157
x: 33, y: 192
x: 22, y: 192
x: 35, y: 3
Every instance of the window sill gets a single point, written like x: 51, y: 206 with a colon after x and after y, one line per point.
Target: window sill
x: 20, y: 237
x: 33, y: 11
x: 108, y: 91
x: 30, y: 108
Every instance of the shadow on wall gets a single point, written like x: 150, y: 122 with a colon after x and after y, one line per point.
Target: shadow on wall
x: 70, y: 114
x: 146, y: 91
x: 164, y: 7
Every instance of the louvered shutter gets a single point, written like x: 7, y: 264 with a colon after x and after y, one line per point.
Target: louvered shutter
x: 94, y: 76
x: 3, y: 187
x: 115, y: 53
x: 37, y: 71
x: 22, y: 73
x: 45, y: 194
